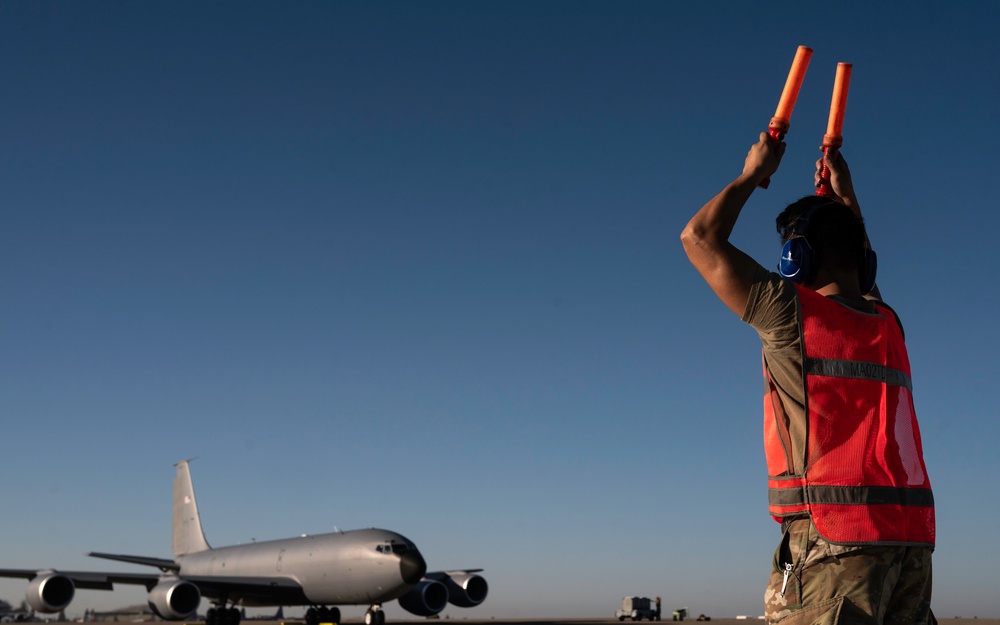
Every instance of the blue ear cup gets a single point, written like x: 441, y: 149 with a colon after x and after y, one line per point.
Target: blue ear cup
x: 796, y: 261
x: 868, y: 271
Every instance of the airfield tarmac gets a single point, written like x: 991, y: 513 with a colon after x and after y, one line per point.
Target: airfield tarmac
x: 613, y: 621
x: 607, y: 621
x: 578, y: 621
x: 584, y: 621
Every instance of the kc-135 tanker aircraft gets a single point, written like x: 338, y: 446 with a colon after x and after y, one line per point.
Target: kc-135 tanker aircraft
x: 357, y: 567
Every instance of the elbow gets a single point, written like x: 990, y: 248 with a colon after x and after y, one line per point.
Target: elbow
x: 691, y: 239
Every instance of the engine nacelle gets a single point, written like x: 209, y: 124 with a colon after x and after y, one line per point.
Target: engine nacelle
x: 427, y: 598
x: 49, y: 592
x: 174, y: 599
x: 466, y: 590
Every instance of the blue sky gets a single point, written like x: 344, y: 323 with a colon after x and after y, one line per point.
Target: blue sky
x: 416, y: 266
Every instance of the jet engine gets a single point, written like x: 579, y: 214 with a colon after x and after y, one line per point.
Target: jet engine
x: 466, y: 590
x: 174, y: 599
x: 49, y: 592
x: 427, y: 598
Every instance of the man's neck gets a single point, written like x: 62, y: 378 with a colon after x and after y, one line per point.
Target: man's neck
x: 844, y: 287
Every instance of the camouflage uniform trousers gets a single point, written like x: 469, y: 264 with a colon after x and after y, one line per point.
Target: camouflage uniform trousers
x: 814, y: 582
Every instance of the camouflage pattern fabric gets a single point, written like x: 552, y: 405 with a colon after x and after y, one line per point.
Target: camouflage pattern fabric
x: 814, y: 582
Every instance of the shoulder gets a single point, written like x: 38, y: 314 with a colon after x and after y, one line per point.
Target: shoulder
x: 772, y: 307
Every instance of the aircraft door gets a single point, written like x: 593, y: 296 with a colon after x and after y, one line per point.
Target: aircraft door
x: 281, y: 554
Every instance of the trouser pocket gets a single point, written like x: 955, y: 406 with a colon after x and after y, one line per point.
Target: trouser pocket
x: 784, y: 592
x: 836, y: 611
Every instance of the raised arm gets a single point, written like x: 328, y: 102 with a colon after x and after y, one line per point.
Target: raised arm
x: 842, y: 186
x: 728, y: 270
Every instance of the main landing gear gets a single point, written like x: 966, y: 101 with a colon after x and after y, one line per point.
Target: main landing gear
x: 375, y: 615
x: 318, y: 616
x: 222, y: 616
x: 315, y: 616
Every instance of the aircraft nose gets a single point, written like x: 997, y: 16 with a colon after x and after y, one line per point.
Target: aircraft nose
x: 412, y: 566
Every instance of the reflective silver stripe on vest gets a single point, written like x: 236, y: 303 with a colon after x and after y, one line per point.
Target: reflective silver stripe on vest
x: 850, y: 495
x: 857, y: 370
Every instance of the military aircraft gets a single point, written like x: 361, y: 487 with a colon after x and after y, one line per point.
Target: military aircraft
x: 357, y: 567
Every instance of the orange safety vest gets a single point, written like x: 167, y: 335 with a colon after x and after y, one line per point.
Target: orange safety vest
x: 863, y: 479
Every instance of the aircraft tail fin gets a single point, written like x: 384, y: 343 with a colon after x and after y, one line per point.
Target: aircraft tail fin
x: 188, y: 535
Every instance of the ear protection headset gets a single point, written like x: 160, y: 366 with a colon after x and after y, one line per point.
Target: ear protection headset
x: 798, y: 265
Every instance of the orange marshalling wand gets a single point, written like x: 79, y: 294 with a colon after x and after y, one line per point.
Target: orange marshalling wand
x: 783, y: 114
x: 834, y: 138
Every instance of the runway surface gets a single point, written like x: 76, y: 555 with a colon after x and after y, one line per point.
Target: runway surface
x: 595, y: 621
x: 607, y: 621
x: 574, y: 621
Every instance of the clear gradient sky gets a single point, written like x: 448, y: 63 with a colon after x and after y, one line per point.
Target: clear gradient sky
x: 416, y: 266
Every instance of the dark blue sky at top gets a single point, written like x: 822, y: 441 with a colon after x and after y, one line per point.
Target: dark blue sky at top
x: 415, y: 265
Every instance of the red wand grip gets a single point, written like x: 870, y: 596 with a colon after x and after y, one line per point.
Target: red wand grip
x: 830, y: 147
x: 774, y: 135
x: 825, y: 189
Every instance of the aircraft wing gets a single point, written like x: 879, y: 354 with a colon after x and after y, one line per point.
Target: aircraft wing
x: 250, y: 590
x: 266, y: 590
x: 160, y: 563
x: 90, y: 580
x: 442, y: 575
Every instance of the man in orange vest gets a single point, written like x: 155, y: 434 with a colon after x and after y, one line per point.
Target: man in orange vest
x: 847, y: 479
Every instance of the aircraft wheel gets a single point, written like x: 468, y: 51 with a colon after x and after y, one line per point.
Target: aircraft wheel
x: 323, y: 614
x: 234, y: 616
x: 335, y: 615
x: 311, y: 617
x: 210, y: 617
x: 380, y: 618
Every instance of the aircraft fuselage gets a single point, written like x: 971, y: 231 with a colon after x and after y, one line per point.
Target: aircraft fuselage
x: 355, y: 567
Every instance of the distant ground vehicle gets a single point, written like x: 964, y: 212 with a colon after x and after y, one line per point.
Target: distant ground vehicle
x: 680, y: 615
x: 638, y: 608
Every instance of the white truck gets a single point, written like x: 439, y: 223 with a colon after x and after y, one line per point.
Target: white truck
x: 638, y: 608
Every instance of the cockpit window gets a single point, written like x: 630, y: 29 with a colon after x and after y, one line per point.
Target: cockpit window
x: 393, y: 548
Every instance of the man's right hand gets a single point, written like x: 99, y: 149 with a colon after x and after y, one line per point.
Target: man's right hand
x: 763, y: 159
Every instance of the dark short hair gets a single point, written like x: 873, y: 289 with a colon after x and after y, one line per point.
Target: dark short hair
x: 834, y: 232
